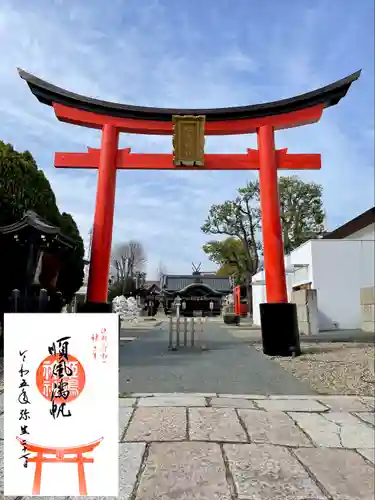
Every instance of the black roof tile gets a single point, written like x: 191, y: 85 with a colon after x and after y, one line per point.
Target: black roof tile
x: 47, y: 93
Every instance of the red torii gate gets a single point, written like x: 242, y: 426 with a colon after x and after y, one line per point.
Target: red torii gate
x: 262, y: 119
x: 58, y: 455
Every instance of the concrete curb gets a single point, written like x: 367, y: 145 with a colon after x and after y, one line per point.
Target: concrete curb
x: 326, y: 339
x: 367, y: 403
x: 146, y: 325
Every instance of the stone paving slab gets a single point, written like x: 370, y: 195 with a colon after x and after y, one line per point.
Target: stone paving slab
x: 242, y: 396
x: 264, y: 472
x: 158, y: 424
x: 368, y: 453
x: 369, y: 401
x: 279, y: 448
x: 335, y: 430
x: 43, y: 498
x: 1, y: 466
x: 352, y: 433
x: 215, y: 424
x: 173, y: 401
x: 127, y: 402
x: 131, y: 455
x: 309, y: 405
x: 344, y: 403
x: 184, y: 394
x: 272, y: 428
x: 184, y: 471
x: 290, y: 396
x: 344, y: 473
x: 367, y: 417
x: 124, y: 417
x: 233, y: 402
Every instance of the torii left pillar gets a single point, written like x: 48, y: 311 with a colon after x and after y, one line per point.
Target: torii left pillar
x: 97, y: 287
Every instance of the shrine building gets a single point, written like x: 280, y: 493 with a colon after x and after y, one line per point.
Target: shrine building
x: 196, y: 291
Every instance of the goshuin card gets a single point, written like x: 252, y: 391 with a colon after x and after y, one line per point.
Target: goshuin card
x: 61, y: 404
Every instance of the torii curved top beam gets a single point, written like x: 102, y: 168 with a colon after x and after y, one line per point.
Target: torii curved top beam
x: 325, y: 96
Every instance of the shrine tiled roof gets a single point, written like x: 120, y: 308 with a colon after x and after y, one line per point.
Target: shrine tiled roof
x: 174, y: 283
x: 34, y: 221
x: 360, y: 222
x: 150, y: 283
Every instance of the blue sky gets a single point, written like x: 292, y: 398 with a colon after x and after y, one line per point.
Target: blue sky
x: 195, y: 53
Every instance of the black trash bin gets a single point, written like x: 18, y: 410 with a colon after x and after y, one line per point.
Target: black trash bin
x: 279, y: 324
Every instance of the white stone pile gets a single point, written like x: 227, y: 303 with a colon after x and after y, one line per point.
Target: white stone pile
x: 228, y: 304
x: 127, y: 309
x: 228, y: 300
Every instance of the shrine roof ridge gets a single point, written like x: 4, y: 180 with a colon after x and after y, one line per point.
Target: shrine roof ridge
x: 33, y: 220
x: 327, y: 96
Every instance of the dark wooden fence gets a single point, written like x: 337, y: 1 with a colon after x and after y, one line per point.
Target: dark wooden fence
x: 39, y: 302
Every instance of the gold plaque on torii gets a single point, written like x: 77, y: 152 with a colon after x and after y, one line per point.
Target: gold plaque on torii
x: 188, y: 140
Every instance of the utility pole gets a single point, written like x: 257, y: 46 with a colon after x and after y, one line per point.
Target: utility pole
x: 90, y: 244
x: 88, y: 255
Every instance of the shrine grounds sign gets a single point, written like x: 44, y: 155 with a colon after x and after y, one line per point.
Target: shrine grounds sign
x: 61, y: 404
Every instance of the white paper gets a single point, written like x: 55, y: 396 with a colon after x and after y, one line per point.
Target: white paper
x: 92, y: 401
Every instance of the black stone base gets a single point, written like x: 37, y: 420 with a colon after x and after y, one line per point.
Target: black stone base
x: 232, y: 319
x: 280, y: 335
x: 95, y: 307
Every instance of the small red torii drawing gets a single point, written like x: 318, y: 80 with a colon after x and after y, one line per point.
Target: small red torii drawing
x: 60, y: 457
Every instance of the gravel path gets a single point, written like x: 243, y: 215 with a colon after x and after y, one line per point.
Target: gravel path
x: 228, y: 366
x: 334, y: 368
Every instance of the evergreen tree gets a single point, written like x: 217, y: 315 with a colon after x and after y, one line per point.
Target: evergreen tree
x: 24, y: 187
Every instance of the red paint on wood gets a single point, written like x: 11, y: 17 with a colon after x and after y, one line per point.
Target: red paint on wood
x: 97, y: 288
x: 265, y: 159
x: 237, y: 300
x: 139, y: 161
x: 271, y: 224
x: 151, y: 127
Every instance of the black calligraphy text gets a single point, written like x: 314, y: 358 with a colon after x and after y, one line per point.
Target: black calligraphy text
x: 23, y: 400
x: 61, y: 370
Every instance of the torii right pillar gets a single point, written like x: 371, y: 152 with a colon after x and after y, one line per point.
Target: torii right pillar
x: 278, y: 318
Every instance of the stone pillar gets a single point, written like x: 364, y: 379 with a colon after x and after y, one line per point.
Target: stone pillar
x: 307, y: 311
x: 368, y: 309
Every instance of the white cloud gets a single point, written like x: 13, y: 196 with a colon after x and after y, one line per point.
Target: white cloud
x: 159, y: 56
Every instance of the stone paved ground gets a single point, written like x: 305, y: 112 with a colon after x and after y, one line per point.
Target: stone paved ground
x: 142, y: 324
x: 246, y: 447
x: 228, y: 365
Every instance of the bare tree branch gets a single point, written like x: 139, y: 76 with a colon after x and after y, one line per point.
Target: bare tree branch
x: 127, y: 259
x: 161, y: 270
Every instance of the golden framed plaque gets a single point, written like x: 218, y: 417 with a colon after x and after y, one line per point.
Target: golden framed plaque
x: 188, y: 140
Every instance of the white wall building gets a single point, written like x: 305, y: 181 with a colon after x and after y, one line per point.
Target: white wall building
x: 337, y: 266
